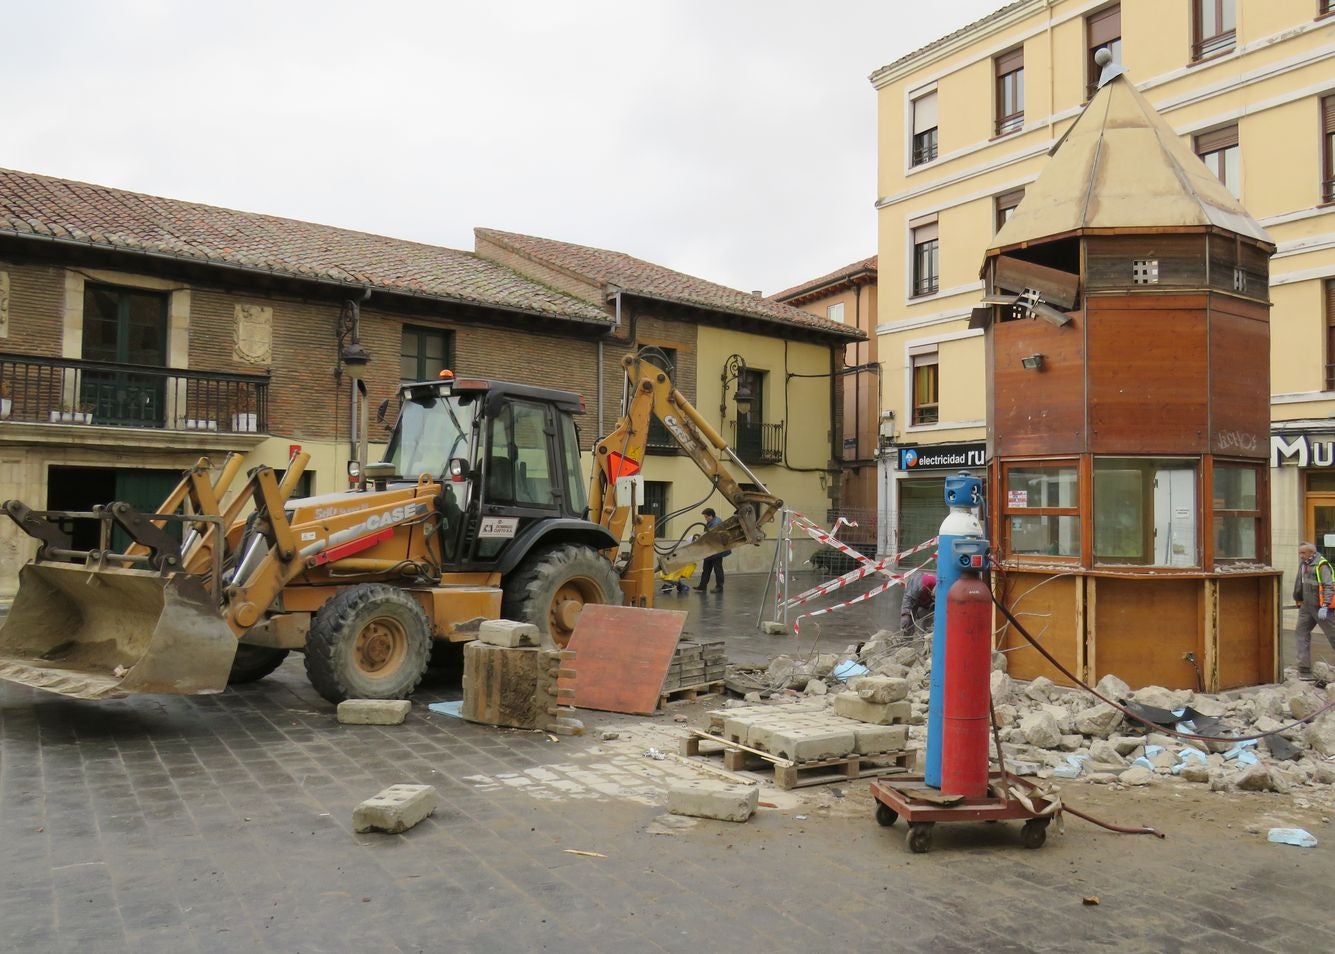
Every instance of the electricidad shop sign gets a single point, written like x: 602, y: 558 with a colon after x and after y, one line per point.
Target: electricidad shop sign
x: 927, y: 456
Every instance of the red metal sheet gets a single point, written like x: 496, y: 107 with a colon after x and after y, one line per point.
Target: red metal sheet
x: 622, y: 654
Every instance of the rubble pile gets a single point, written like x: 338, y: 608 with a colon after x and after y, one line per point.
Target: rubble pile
x: 1055, y: 732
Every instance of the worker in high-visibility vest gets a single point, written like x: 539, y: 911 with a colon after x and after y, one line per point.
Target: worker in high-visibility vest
x: 1314, y: 592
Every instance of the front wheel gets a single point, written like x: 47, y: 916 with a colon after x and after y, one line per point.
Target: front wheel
x: 370, y: 642
x: 253, y: 663
x: 552, y: 587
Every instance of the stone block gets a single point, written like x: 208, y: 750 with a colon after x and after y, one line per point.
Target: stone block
x: 812, y: 744
x: 509, y: 633
x: 373, y: 711
x: 880, y: 689
x: 879, y: 738
x: 1041, y: 729
x: 395, y: 809
x: 852, y: 706
x: 706, y: 798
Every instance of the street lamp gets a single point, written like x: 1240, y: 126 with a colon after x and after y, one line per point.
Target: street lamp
x: 734, y: 369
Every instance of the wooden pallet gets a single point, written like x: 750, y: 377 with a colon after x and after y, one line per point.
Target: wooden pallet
x: 789, y: 774
x: 689, y: 693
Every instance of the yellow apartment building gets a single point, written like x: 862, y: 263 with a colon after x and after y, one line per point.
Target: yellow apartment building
x: 967, y: 122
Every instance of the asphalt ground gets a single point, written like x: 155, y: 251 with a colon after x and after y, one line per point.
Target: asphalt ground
x: 223, y: 823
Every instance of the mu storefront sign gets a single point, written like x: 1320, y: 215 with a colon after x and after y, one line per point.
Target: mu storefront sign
x: 1303, y: 450
x: 928, y: 456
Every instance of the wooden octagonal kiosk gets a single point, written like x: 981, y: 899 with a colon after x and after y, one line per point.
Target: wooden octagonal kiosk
x: 1127, y: 330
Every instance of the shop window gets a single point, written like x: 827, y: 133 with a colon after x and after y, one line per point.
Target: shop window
x: 926, y: 259
x: 1328, y: 148
x: 1006, y: 203
x: 1214, y: 27
x: 926, y: 387
x: 1010, y: 91
x: 1218, y: 149
x: 921, y: 507
x: 924, y: 128
x: 1237, y: 512
x: 1103, y: 31
x: 1145, y: 512
x: 1041, y: 509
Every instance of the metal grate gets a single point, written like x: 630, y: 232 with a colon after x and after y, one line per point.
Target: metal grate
x: 1145, y: 271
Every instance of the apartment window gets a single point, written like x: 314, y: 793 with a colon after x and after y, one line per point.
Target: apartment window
x: 1330, y: 334
x: 1010, y: 91
x: 1103, y: 30
x: 425, y: 353
x: 1005, y: 205
x: 1042, y: 509
x: 926, y: 387
x: 658, y: 439
x: 1328, y: 149
x: 835, y: 312
x: 926, y: 260
x: 125, y: 326
x: 924, y: 129
x: 1214, y: 27
x: 1218, y: 149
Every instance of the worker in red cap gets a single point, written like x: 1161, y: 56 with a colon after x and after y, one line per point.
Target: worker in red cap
x: 915, y: 614
x: 713, y: 564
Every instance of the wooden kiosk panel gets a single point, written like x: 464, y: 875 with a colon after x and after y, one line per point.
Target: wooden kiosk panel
x: 1247, y: 607
x: 1038, y: 410
x: 1147, y: 377
x: 1239, y: 424
x: 1140, y: 630
x: 1050, y: 612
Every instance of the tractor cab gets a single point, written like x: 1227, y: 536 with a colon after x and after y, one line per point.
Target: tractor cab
x: 507, y: 457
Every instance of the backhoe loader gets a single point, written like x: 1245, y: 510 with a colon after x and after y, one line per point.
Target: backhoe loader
x: 479, y: 512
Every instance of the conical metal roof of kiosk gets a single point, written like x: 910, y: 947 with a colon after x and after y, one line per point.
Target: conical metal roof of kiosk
x: 1121, y: 166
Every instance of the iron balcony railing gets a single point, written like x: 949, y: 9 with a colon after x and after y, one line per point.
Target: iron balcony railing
x: 758, y: 443
x: 73, y: 391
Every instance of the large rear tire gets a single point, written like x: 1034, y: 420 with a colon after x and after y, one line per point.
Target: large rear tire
x: 552, y: 587
x: 254, y: 662
x: 372, y: 641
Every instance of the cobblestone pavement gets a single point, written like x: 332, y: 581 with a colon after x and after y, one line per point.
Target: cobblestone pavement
x: 223, y: 823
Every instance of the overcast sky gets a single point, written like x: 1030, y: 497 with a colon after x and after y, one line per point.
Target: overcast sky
x: 731, y: 140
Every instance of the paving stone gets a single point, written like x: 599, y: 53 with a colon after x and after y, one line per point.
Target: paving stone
x: 706, y: 798
x: 373, y: 711
x: 851, y: 706
x: 812, y: 744
x: 396, y: 808
x: 879, y: 738
x: 509, y: 633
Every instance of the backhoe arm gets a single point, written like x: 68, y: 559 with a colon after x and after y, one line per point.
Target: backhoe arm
x: 621, y: 454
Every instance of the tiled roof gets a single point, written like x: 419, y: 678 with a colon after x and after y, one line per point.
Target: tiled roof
x: 825, y: 281
x: 645, y: 279
x: 34, y: 206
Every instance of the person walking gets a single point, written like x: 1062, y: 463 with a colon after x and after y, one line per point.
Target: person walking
x: 713, y: 564
x: 1314, y: 592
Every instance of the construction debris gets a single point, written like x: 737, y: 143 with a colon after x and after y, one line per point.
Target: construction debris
x: 705, y: 798
x: 395, y: 809
x: 373, y: 711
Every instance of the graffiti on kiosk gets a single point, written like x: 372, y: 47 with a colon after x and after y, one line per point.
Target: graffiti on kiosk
x: 1301, y: 450
x: 1236, y: 440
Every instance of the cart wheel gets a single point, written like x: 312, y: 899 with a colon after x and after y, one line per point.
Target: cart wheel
x: 885, y: 815
x: 1034, y: 833
x: 920, y: 837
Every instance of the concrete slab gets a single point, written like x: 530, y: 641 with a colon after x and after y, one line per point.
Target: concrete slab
x: 706, y: 798
x: 373, y: 711
x: 396, y: 808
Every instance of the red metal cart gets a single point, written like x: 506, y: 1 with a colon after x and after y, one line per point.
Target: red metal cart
x: 907, y: 796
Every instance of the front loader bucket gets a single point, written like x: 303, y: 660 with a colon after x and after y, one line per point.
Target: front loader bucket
x: 99, y: 634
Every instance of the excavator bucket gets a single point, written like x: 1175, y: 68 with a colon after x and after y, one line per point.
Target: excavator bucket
x: 99, y: 634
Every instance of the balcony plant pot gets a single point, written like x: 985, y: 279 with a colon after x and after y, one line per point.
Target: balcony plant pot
x: 6, y: 407
x: 63, y: 417
x: 245, y: 423
x: 201, y: 424
x: 81, y: 417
